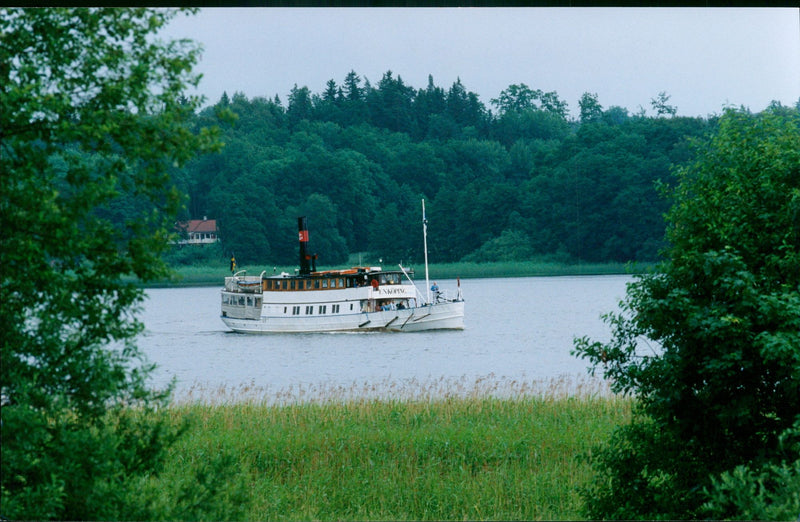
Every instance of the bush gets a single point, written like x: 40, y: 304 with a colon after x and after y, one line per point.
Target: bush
x: 769, y: 492
x: 708, y: 345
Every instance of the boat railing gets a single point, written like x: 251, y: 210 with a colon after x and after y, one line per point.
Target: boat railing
x: 241, y: 282
x: 445, y: 296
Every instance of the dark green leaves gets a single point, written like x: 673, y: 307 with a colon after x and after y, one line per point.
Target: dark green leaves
x: 93, y: 120
x: 724, y: 314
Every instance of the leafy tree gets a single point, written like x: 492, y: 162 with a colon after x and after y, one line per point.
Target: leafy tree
x: 521, y: 98
x: 516, y: 98
x: 590, y: 107
x: 553, y: 104
x: 531, y: 125
x: 616, y: 115
x: 661, y: 106
x: 510, y: 245
x: 708, y: 344
x: 93, y: 116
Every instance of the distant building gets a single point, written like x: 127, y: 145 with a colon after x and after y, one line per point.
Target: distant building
x: 197, y: 231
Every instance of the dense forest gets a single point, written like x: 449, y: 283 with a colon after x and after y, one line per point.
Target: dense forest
x: 521, y: 180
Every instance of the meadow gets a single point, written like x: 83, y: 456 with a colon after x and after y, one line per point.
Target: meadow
x: 451, y: 456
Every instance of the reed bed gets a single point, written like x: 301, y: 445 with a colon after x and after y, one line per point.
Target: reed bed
x: 440, y: 450
x: 411, y: 389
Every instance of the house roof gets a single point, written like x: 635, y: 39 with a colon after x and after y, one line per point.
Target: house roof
x: 199, y: 225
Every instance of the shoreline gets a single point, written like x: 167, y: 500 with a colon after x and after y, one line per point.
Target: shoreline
x: 213, y: 275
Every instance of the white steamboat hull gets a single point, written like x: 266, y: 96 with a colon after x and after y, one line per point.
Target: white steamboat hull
x: 438, y: 316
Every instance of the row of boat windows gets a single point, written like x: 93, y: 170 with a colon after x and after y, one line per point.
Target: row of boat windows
x: 324, y: 284
x: 307, y: 284
x: 242, y: 300
x: 309, y: 309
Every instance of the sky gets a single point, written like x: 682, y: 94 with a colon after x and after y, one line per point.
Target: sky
x: 704, y: 59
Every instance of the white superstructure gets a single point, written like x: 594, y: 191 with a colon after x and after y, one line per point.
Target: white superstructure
x: 362, y: 298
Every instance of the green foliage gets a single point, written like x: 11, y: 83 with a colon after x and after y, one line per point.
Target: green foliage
x: 590, y: 107
x: 94, y: 121
x: 771, y: 492
x: 585, y: 189
x: 660, y: 105
x: 708, y: 344
x: 510, y: 246
x: 196, y: 255
x: 457, y: 458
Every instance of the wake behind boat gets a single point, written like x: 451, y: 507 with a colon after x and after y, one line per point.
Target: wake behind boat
x: 361, y: 298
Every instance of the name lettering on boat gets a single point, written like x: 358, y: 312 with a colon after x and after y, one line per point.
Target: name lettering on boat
x: 392, y: 291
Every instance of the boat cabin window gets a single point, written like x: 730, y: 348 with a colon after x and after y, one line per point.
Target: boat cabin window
x: 322, y: 309
x: 390, y: 279
x: 309, y: 310
x: 324, y: 283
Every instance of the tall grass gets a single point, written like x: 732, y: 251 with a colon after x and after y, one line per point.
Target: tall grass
x: 449, y: 457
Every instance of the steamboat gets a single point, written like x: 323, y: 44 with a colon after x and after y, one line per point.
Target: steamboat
x: 361, y: 298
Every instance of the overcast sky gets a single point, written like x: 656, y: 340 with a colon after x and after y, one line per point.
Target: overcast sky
x: 704, y: 59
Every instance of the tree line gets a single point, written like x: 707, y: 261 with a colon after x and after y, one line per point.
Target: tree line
x: 516, y: 181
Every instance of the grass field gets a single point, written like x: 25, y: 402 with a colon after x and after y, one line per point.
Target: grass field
x: 213, y: 274
x: 456, y: 457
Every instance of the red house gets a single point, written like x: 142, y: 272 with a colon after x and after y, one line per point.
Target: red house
x: 197, y: 231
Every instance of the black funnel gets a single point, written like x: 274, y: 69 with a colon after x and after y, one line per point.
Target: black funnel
x: 302, y: 226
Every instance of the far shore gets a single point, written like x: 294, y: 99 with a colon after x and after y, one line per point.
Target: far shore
x: 214, y: 274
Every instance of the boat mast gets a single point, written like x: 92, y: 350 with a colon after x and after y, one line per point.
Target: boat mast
x: 425, y: 241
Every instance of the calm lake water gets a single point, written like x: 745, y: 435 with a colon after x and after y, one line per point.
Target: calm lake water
x: 519, y: 331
